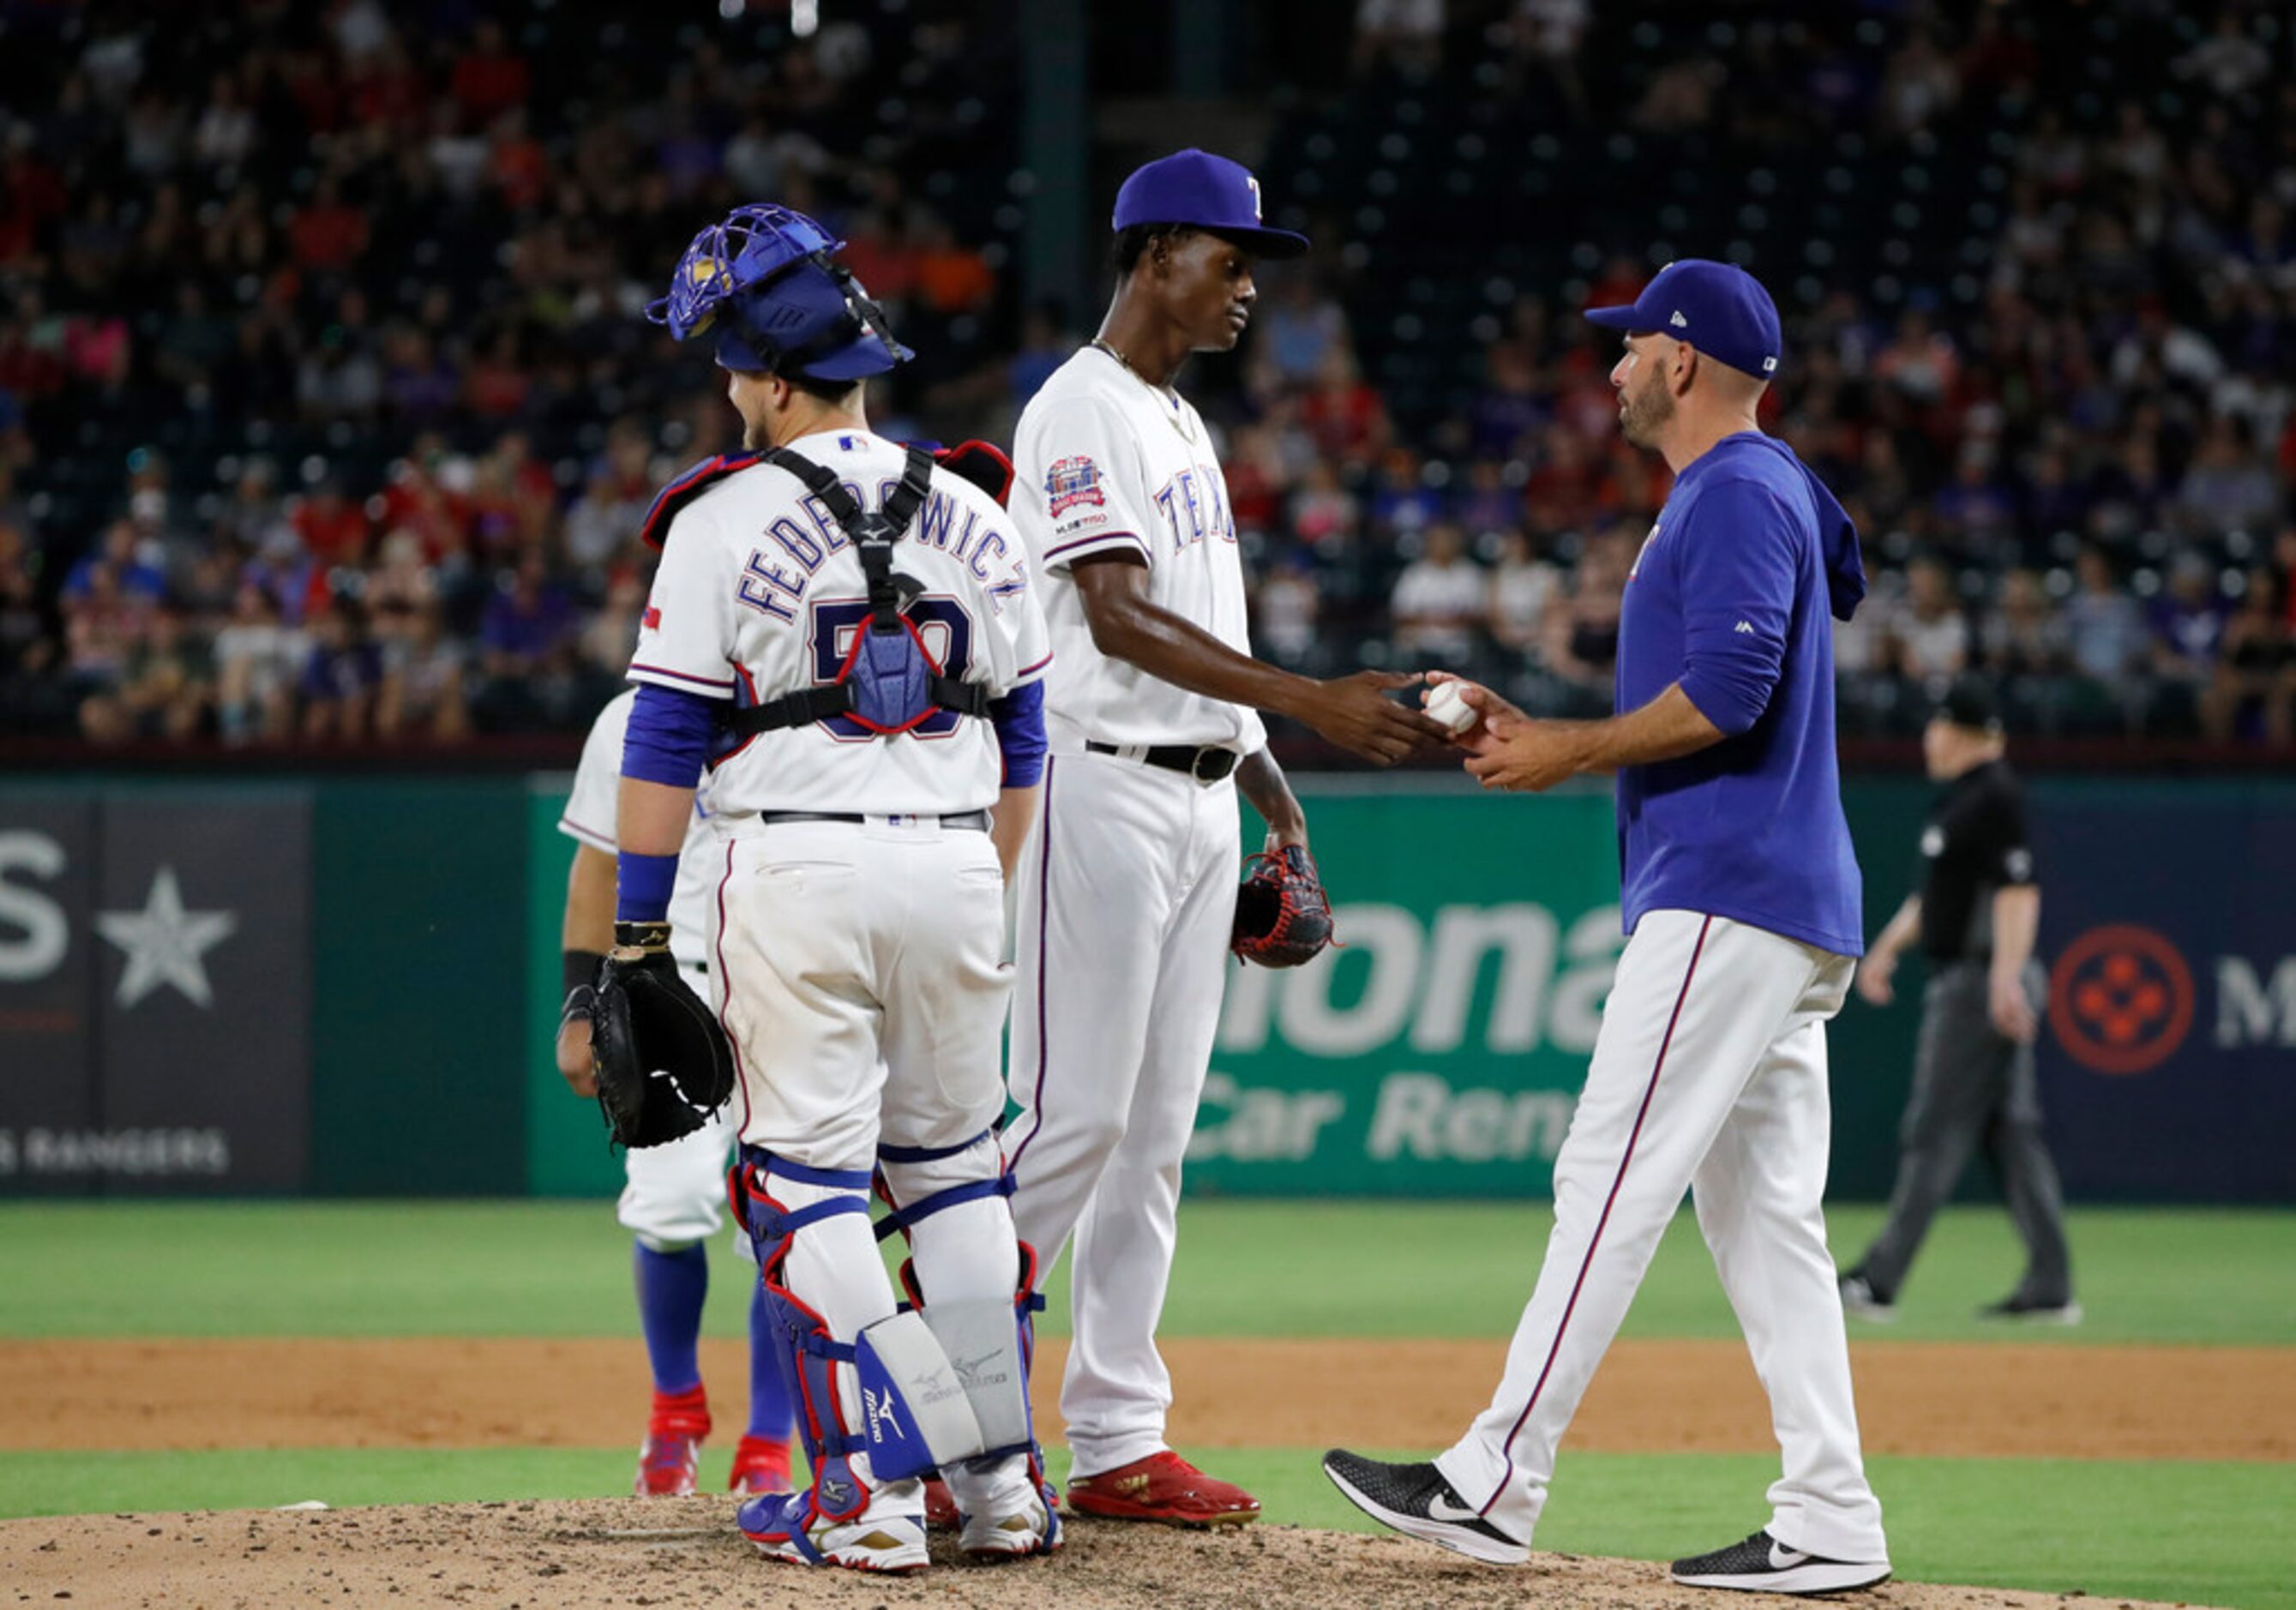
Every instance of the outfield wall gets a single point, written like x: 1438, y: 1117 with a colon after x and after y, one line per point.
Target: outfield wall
x: 347, y: 987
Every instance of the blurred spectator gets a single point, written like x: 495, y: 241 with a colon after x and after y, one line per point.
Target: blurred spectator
x: 1523, y: 590
x: 2024, y: 634
x: 2104, y: 629
x: 163, y: 691
x: 2254, y: 692
x: 1582, y: 627
x: 1288, y: 607
x: 258, y: 661
x: 421, y: 694
x: 341, y: 676
x: 1929, y: 634
x: 1438, y: 601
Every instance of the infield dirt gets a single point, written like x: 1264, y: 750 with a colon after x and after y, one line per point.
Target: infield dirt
x: 2006, y: 1397
x: 601, y: 1552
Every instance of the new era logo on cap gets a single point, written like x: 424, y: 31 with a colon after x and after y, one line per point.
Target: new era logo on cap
x: 1717, y: 308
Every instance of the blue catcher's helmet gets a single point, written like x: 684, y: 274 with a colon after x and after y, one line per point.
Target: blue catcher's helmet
x: 764, y: 280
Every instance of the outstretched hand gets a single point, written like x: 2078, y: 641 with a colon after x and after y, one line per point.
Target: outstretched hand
x: 1507, y: 749
x: 1355, y: 713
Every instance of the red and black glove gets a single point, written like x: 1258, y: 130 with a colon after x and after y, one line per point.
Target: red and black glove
x: 1282, y: 917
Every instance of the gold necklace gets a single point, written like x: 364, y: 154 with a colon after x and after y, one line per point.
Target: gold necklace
x: 1165, y: 394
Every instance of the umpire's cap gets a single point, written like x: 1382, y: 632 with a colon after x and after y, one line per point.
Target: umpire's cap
x: 1969, y: 700
x: 1717, y: 308
x: 1204, y: 191
x: 764, y: 281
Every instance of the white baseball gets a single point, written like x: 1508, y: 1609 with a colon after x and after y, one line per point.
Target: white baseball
x: 1446, y: 704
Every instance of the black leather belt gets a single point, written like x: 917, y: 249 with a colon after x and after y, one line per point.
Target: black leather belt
x: 976, y: 820
x: 1204, y: 765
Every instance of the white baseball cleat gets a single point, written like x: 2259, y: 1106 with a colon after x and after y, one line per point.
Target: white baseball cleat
x: 1002, y: 1515
x: 785, y: 1526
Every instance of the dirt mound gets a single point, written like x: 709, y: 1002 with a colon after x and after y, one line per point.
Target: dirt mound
x: 622, y: 1551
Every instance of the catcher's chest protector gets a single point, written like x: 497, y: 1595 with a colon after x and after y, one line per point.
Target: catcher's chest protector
x: 887, y: 681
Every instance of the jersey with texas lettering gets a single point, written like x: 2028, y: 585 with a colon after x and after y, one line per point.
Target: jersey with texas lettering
x: 594, y: 811
x: 761, y: 595
x: 1105, y: 464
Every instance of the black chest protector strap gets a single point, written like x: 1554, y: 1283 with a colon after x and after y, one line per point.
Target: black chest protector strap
x: 872, y: 537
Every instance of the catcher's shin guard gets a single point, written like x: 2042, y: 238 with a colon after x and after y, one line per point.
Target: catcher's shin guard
x: 969, y: 1276
x: 825, y: 1421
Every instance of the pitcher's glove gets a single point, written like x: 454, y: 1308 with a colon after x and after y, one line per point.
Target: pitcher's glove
x: 663, y: 1064
x: 1283, y: 917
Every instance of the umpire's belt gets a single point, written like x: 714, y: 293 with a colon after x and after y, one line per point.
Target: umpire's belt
x: 977, y: 820
x: 1204, y: 765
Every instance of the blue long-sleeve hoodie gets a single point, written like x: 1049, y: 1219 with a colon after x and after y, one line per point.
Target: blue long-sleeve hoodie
x: 1730, y: 597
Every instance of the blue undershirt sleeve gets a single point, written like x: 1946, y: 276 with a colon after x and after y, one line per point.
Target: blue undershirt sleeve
x: 1019, y: 718
x: 1738, y: 570
x: 668, y: 737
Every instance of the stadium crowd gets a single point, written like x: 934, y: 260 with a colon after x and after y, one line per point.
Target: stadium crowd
x: 327, y: 414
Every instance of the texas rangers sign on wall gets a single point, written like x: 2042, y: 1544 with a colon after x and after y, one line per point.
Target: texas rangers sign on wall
x: 154, y: 990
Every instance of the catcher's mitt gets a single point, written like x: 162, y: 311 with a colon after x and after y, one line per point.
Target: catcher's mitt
x: 663, y: 1064
x: 1283, y: 917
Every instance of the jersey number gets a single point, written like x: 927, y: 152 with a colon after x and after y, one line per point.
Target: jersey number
x: 943, y: 624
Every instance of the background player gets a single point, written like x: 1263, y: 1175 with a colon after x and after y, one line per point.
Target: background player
x: 860, y: 892
x: 1976, y: 916
x: 1741, y: 902
x: 1128, y: 897
x: 674, y: 1197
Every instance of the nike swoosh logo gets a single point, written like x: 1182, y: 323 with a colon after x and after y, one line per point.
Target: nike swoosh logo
x: 1442, y: 1510
x: 1782, y: 1558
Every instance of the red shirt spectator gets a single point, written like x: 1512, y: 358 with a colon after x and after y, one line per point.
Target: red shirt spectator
x: 332, y: 528
x: 492, y: 78
x: 327, y: 233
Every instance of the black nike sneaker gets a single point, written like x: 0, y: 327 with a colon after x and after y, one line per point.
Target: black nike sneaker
x: 1418, y: 1502
x: 1763, y: 1564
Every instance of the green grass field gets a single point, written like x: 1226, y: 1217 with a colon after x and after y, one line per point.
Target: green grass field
x: 2211, y: 1532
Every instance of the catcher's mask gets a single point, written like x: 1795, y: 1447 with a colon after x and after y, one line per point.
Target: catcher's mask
x: 765, y: 281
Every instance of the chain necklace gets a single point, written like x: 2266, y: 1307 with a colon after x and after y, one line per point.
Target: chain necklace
x: 1165, y: 394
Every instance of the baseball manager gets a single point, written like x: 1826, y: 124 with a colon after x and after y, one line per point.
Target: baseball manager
x: 1740, y: 904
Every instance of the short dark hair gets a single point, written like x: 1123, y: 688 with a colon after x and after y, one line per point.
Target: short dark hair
x: 1132, y: 242
x: 826, y: 391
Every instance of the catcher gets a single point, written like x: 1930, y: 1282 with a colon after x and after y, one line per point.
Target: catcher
x: 1127, y: 905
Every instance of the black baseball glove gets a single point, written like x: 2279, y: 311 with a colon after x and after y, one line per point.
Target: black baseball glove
x: 662, y: 1062
x: 1283, y: 917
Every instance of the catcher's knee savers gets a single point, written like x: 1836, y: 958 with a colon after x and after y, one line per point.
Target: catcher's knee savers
x: 938, y: 1386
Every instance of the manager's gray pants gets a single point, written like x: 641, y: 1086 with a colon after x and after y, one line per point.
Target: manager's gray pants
x: 1971, y: 1083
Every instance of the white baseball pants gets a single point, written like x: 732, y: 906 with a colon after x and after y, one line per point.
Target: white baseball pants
x: 1709, y: 1073
x: 860, y: 976
x: 1126, y: 904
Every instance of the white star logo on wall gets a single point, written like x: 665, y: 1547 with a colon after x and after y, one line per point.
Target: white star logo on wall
x: 164, y: 943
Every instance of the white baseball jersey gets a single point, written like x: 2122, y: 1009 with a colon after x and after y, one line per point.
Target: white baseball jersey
x: 759, y: 595
x: 592, y: 817
x: 1105, y: 462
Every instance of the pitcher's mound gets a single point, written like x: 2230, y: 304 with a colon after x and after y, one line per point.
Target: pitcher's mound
x: 601, y: 1552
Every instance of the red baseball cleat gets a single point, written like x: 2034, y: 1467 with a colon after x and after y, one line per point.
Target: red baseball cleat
x: 669, y: 1463
x: 940, y: 1505
x: 1162, y: 1487
x: 761, y: 1465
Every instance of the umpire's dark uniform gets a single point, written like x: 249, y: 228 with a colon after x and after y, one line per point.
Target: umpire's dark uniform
x: 1971, y: 1082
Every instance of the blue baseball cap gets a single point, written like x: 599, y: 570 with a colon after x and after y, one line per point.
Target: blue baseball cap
x: 1204, y: 191
x: 1717, y: 308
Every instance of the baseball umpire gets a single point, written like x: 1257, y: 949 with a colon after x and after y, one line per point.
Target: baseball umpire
x: 1740, y: 905
x: 673, y: 1196
x: 1975, y: 917
x: 847, y: 636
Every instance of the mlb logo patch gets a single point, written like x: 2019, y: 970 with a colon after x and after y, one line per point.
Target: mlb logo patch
x: 1072, y: 483
x: 650, y: 619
